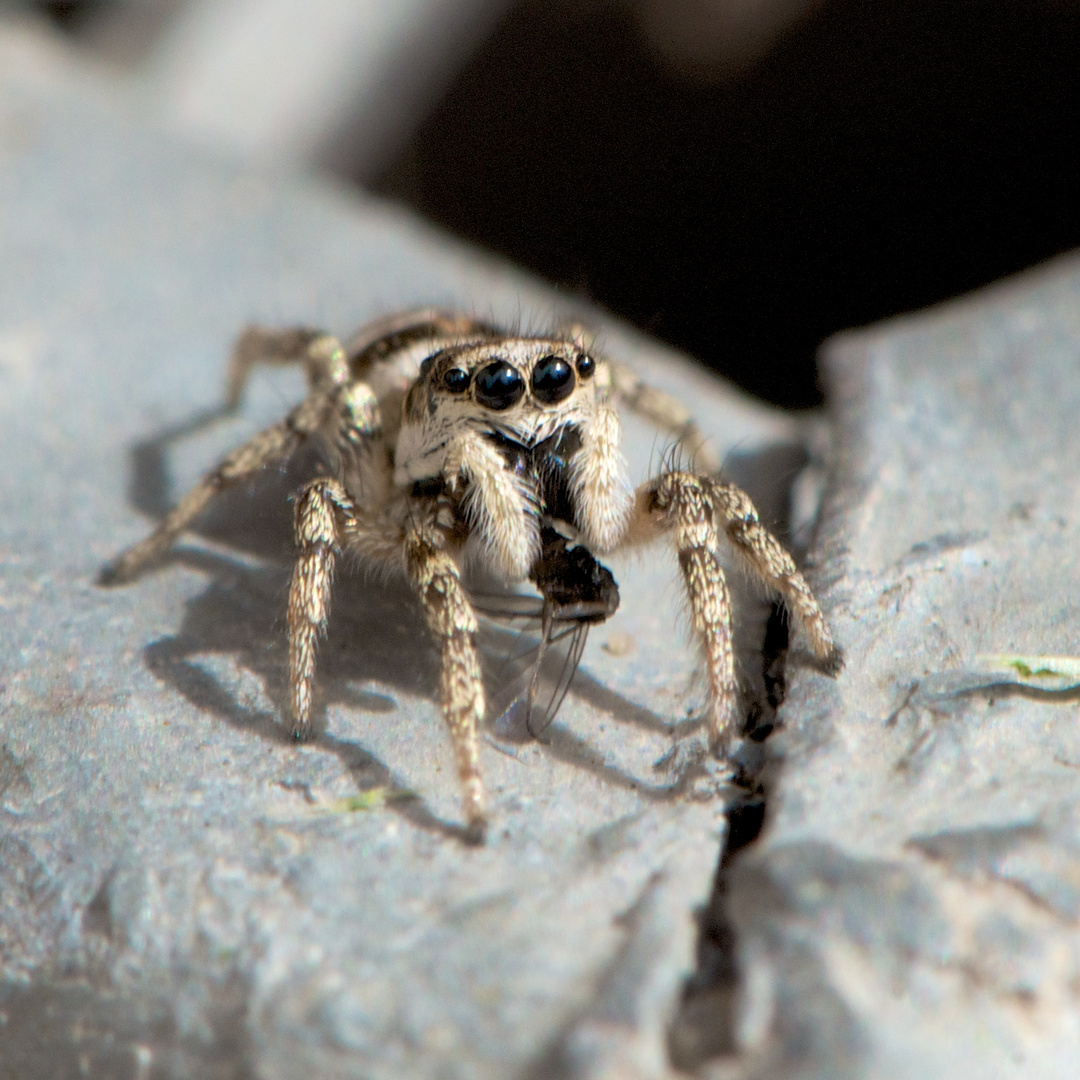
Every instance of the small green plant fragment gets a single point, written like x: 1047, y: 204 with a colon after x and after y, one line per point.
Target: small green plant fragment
x: 372, y: 799
x: 1027, y: 672
x: 1036, y: 667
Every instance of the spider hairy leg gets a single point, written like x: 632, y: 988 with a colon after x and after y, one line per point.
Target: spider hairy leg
x: 321, y: 354
x: 681, y: 502
x: 769, y: 561
x: 691, y: 508
x: 451, y: 618
x: 326, y: 369
x: 269, y: 446
x: 665, y: 412
x: 320, y: 506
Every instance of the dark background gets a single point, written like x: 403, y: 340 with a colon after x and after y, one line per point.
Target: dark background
x: 881, y: 157
x: 877, y: 158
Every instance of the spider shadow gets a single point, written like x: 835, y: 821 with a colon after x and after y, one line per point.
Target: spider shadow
x: 240, y: 614
x: 376, y: 632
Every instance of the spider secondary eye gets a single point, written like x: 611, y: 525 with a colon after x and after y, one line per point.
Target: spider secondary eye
x: 498, y: 386
x: 456, y: 380
x: 585, y: 365
x: 552, y: 380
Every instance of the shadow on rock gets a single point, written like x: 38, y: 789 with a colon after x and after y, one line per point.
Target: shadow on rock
x: 376, y: 631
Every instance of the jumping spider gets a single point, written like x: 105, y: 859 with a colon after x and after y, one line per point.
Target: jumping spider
x: 452, y: 443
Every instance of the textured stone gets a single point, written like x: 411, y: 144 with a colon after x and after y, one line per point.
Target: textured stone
x: 183, y: 892
x: 343, y: 81
x: 911, y: 910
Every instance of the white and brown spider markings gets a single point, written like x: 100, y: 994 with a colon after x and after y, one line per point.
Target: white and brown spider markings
x: 453, y: 444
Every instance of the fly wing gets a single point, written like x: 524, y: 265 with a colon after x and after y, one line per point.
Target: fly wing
x: 540, y: 659
x: 546, y: 699
x: 524, y: 708
x: 531, y: 657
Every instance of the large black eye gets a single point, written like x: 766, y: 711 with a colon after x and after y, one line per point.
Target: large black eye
x: 585, y: 365
x: 552, y: 380
x: 456, y: 380
x: 498, y: 386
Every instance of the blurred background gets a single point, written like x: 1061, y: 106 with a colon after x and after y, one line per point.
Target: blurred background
x: 740, y: 178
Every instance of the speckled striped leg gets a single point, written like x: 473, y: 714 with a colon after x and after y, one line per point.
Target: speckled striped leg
x: 322, y: 511
x: 682, y: 504
x: 273, y: 444
x: 665, y: 412
x: 768, y: 560
x: 453, y: 621
x: 322, y: 356
x: 326, y: 368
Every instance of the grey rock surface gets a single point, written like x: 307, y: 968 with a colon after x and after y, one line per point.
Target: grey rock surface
x: 289, y: 82
x: 183, y: 892
x: 912, y: 908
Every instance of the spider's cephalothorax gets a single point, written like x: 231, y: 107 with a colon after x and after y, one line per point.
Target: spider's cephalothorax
x: 451, y: 443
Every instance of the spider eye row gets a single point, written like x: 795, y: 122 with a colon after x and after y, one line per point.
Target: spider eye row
x: 499, y: 385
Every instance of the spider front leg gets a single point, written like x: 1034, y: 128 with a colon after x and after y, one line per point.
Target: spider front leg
x: 326, y: 521
x: 689, y: 507
x: 452, y: 620
x: 321, y: 510
x: 679, y: 503
x: 768, y: 560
